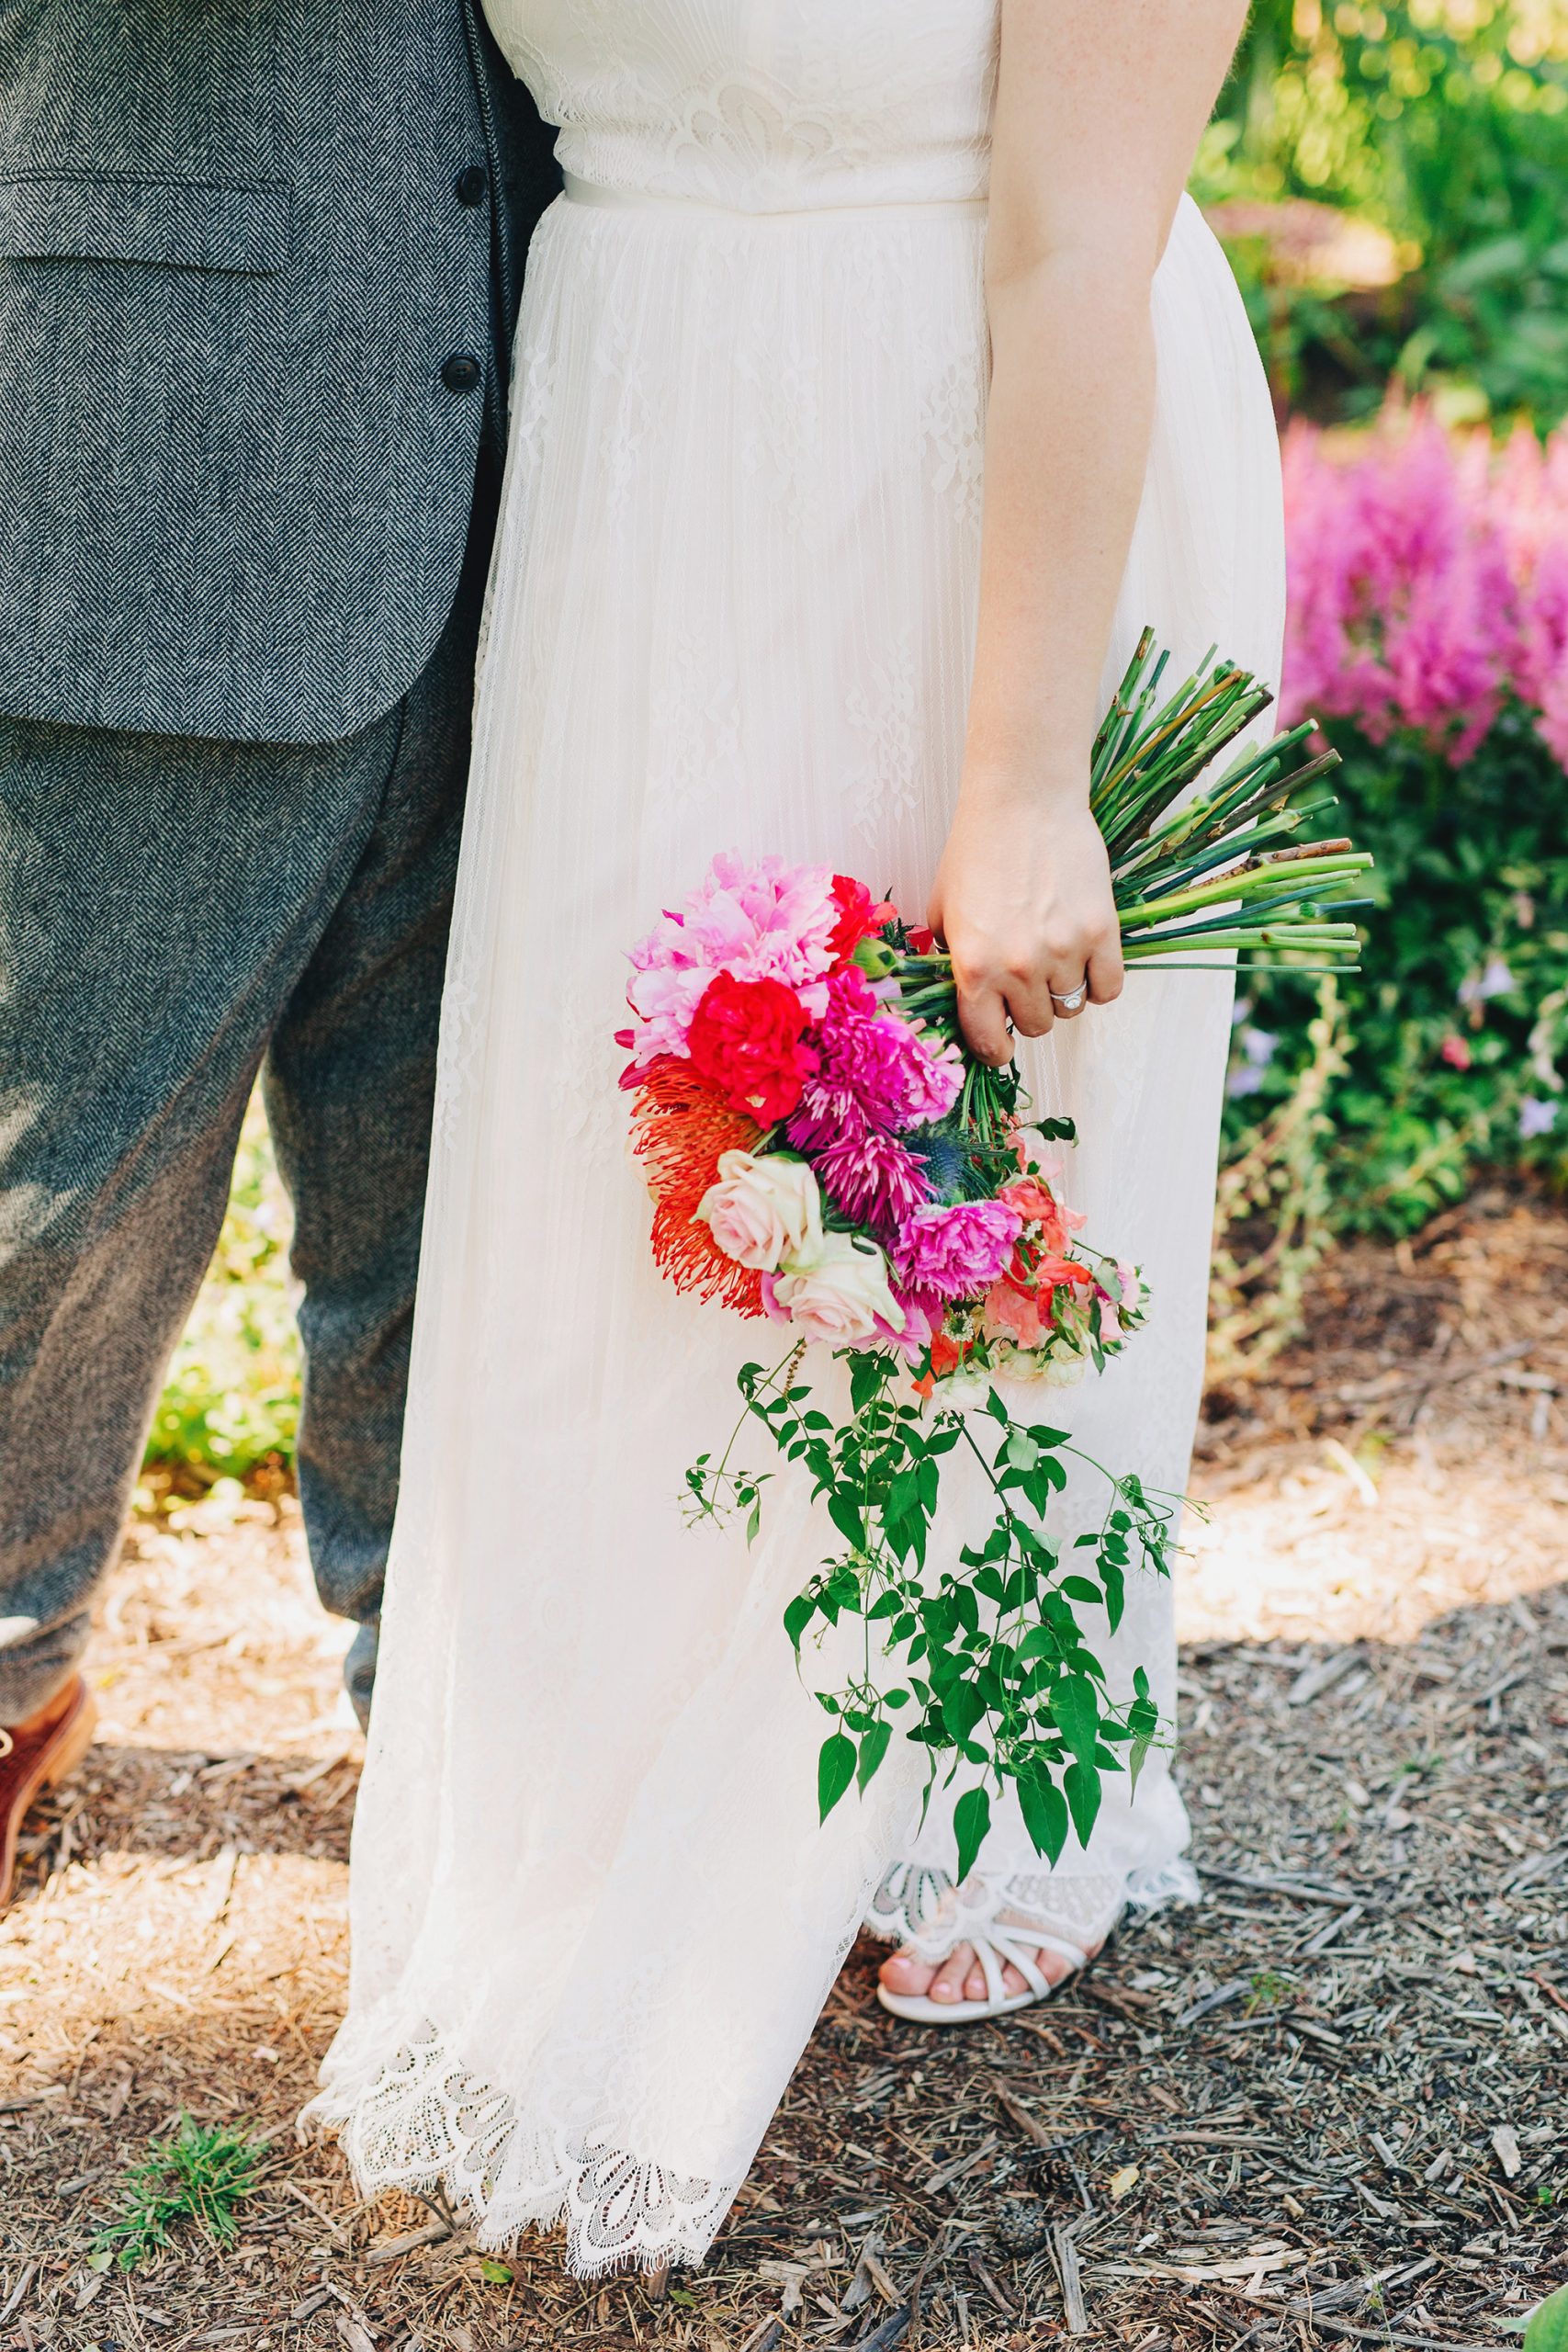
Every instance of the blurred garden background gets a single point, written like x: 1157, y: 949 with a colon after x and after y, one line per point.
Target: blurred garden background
x: 1392, y: 185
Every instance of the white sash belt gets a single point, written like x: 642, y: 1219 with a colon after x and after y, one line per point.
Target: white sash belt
x: 579, y: 191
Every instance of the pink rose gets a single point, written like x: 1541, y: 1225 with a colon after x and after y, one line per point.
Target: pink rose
x: 842, y: 1297
x: 766, y: 1211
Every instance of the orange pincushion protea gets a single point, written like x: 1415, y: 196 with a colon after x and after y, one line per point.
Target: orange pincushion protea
x: 680, y: 1126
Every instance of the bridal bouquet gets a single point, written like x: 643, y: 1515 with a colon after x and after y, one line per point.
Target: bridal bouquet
x: 823, y: 1152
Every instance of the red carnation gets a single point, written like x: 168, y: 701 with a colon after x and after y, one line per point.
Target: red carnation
x: 860, y: 917
x: 745, y: 1039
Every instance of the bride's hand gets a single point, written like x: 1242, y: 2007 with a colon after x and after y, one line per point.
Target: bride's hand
x: 1022, y: 903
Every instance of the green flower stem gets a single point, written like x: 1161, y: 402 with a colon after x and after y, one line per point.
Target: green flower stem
x: 1248, y: 881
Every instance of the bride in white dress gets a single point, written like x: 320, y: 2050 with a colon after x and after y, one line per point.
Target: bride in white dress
x: 747, y: 594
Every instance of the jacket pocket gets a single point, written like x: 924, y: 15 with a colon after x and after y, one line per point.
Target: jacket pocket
x: 166, y: 224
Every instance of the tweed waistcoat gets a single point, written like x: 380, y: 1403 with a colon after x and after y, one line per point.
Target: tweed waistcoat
x: 258, y: 269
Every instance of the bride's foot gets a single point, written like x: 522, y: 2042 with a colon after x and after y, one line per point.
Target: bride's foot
x: 960, y: 1977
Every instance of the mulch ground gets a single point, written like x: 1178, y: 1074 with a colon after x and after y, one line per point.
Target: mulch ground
x: 1327, y: 2108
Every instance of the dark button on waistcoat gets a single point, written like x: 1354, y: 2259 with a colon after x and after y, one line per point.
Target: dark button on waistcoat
x: 472, y: 184
x: 220, y: 515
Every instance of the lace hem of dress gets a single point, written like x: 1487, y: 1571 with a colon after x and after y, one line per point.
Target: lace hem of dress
x: 920, y: 1907
x: 421, y: 2119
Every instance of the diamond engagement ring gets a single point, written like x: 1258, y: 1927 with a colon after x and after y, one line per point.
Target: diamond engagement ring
x: 1075, y: 1000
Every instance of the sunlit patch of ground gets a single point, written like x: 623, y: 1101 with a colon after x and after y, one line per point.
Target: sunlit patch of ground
x: 1376, y: 1679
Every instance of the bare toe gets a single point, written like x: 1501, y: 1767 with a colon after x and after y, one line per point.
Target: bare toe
x: 948, y: 1984
x: 907, y: 1974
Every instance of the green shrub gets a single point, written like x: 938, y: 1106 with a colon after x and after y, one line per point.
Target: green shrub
x: 231, y: 1399
x: 1447, y: 127
x: 1455, y: 1028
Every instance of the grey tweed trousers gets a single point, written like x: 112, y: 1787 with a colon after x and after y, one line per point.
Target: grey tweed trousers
x: 174, y: 915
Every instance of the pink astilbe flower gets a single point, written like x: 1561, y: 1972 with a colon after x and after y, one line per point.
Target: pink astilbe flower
x: 765, y: 920
x: 1402, y: 607
x: 956, y: 1252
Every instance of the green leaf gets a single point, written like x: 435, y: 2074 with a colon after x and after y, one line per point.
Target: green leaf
x: 961, y: 1708
x: 1044, y: 1812
x: 1022, y: 1451
x: 1080, y: 1588
x: 873, y: 1748
x: 1081, y: 1783
x: 835, y: 1771
x: 1547, y: 2323
x: 1141, y: 1746
x: 498, y: 2273
x: 845, y: 1514
x: 1075, y: 1712
x: 971, y: 1820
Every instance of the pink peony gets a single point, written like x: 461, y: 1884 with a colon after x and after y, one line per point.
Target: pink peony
x: 956, y: 1252
x: 767, y: 921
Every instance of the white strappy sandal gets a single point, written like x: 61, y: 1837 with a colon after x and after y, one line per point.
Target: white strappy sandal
x: 1007, y: 1919
x: 1002, y: 1944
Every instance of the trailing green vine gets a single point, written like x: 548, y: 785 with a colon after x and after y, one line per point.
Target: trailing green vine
x: 988, y: 1663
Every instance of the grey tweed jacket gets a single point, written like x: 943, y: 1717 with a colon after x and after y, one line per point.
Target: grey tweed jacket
x: 259, y: 264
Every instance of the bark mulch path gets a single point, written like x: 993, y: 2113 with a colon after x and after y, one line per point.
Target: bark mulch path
x: 1328, y: 2108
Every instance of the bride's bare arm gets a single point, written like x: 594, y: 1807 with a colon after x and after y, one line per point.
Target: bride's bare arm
x: 1099, y: 106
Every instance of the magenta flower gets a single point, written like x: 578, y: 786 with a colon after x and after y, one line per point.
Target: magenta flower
x: 875, y: 1070
x: 1409, y: 581
x: 956, y: 1252
x: 872, y: 1178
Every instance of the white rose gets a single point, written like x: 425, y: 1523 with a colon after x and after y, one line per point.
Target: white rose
x: 841, y: 1294
x: 763, y: 1212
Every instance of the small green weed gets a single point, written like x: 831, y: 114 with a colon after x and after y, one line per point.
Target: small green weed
x: 200, y: 2174
x: 1269, y: 1990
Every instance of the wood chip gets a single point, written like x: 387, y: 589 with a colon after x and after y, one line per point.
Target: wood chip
x: 1216, y: 2000
x: 13, y: 2301
x: 395, y: 2248
x: 1065, y: 2255
x: 1315, y: 1680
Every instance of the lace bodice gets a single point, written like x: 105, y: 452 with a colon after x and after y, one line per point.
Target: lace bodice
x: 763, y: 106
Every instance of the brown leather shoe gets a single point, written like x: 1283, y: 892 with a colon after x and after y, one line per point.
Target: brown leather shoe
x: 35, y: 1754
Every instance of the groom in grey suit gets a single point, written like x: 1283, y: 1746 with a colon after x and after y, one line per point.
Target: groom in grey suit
x: 259, y: 270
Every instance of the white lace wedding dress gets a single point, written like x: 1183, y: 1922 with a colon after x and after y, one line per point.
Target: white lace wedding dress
x: 732, y: 607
